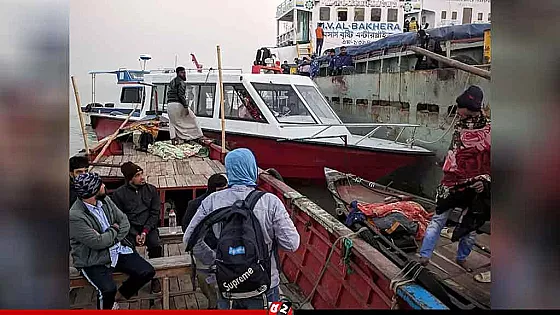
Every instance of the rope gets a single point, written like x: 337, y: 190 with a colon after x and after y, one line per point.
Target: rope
x: 401, y: 279
x: 451, y: 125
x: 349, y: 236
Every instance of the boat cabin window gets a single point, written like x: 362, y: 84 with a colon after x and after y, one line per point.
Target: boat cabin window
x: 284, y: 103
x: 359, y: 14
x: 200, y: 98
x: 317, y: 104
x: 324, y: 14
x: 342, y: 15
x: 392, y: 15
x: 239, y: 105
x: 131, y: 95
x: 161, y: 90
x: 375, y: 14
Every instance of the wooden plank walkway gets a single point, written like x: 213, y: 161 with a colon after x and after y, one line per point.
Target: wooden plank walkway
x: 185, y: 173
x: 479, y: 261
x: 85, y: 298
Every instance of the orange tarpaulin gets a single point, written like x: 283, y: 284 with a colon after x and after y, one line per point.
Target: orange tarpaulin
x: 410, y: 209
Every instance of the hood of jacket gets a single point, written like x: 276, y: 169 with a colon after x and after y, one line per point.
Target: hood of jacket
x: 241, y: 168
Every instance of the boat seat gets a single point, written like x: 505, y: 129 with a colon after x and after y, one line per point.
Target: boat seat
x: 166, y: 267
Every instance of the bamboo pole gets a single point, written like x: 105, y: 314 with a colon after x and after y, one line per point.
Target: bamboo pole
x: 113, y: 136
x: 222, y: 106
x: 453, y: 63
x: 80, y: 114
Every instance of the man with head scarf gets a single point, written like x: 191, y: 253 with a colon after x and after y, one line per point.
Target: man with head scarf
x: 466, y: 179
x: 216, y: 182
x: 183, y: 125
x: 141, y: 203
x: 98, y: 245
x: 78, y: 165
x: 277, y: 227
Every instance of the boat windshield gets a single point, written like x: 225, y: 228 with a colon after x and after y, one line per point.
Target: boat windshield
x: 317, y: 104
x: 284, y: 103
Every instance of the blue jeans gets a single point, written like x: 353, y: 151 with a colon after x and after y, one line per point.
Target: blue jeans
x: 256, y: 303
x: 432, y: 235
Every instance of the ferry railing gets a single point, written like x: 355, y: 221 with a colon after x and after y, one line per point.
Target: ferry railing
x: 195, y: 70
x: 376, y: 127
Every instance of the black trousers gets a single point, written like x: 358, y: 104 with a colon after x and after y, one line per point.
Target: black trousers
x: 152, y: 243
x: 139, y: 271
x: 319, y: 48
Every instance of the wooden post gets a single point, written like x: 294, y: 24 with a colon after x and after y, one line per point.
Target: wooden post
x: 222, y: 108
x: 165, y: 289
x: 80, y: 115
x: 450, y: 62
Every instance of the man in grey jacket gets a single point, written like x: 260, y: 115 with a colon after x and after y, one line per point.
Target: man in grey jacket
x: 183, y: 125
x: 277, y: 227
x: 98, y: 245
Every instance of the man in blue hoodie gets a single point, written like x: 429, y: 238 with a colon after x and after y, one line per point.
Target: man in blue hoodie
x: 277, y: 227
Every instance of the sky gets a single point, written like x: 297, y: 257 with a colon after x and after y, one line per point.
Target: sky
x: 108, y: 34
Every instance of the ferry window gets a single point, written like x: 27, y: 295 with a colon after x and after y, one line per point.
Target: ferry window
x: 359, y: 14
x: 443, y: 15
x: 392, y: 15
x: 480, y: 16
x: 375, y: 14
x: 324, y: 14
x: 161, y: 97
x: 317, y: 104
x: 453, y: 15
x: 131, y: 95
x: 342, y: 15
x: 200, y: 98
x: 284, y: 103
x: 424, y: 20
x: 239, y: 105
x: 488, y: 16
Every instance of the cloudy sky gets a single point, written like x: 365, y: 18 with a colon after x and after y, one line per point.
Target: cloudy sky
x: 108, y: 34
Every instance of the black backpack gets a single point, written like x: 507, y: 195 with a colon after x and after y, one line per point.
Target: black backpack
x: 242, y: 263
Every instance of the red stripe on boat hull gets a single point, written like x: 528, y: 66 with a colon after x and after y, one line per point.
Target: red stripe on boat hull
x: 299, y: 160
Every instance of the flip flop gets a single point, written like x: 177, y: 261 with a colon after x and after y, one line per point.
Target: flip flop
x: 483, y: 277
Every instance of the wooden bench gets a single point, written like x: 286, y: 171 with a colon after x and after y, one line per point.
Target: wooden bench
x: 166, y: 267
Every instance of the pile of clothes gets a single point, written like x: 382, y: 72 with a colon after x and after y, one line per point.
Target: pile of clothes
x: 392, y: 218
x: 168, y: 151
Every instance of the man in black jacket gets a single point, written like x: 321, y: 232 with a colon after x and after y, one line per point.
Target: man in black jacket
x: 78, y: 165
x: 215, y: 182
x: 141, y: 203
x: 183, y: 125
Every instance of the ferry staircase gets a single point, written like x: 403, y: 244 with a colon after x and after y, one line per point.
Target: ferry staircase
x: 304, y: 49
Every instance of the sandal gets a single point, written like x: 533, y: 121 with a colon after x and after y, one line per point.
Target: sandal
x: 484, y: 277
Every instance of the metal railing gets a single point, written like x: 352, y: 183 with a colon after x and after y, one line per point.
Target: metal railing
x: 376, y: 127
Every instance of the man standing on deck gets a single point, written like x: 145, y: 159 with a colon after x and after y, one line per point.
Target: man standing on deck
x: 78, y: 165
x: 342, y: 61
x: 183, y: 125
x: 466, y: 179
x: 141, y: 203
x: 98, y: 230
x: 207, y: 285
x: 319, y: 35
x: 277, y: 227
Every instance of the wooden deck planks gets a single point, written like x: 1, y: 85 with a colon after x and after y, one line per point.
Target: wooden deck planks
x: 201, y: 167
x: 170, y: 174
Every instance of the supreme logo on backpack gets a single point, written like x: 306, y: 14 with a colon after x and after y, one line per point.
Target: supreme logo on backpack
x: 242, y: 262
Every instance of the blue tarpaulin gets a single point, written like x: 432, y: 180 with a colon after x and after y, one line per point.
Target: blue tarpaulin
x: 456, y: 32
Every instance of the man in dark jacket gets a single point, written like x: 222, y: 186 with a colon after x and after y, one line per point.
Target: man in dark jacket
x: 343, y: 60
x: 183, y: 125
x: 78, y: 165
x: 141, y: 203
x: 98, y: 243
x: 216, y: 182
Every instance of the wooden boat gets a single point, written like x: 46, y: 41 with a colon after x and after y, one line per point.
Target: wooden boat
x: 312, y: 276
x: 446, y: 280
x: 294, y: 119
